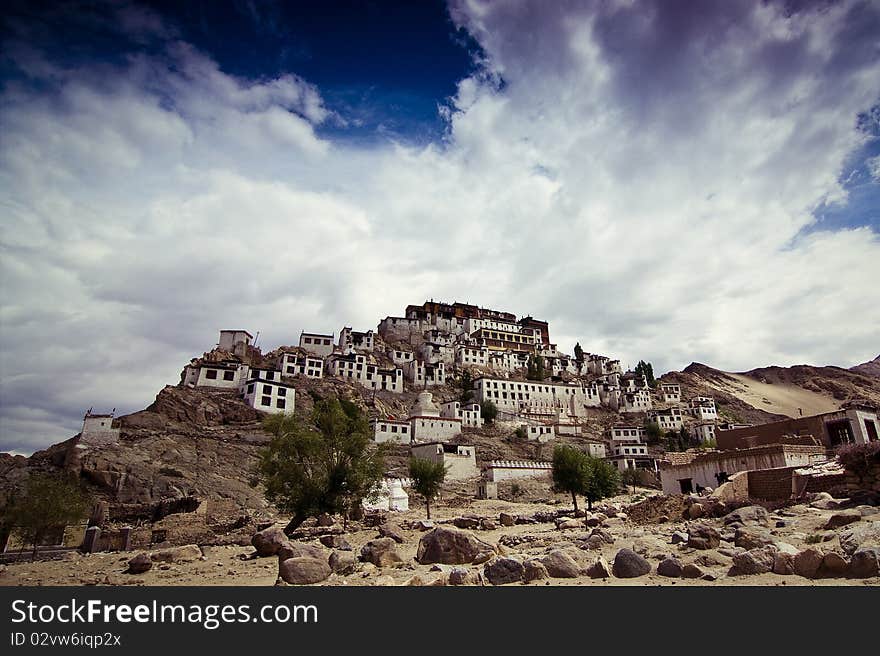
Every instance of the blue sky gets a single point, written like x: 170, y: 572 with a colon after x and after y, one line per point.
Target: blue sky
x: 662, y: 181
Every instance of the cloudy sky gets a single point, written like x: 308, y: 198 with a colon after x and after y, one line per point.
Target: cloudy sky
x: 662, y: 180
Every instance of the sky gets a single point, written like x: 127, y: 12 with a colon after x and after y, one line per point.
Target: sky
x: 668, y: 181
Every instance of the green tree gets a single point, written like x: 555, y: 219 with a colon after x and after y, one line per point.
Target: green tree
x: 427, y: 477
x: 603, y: 480
x: 488, y: 411
x: 48, y: 503
x: 630, y: 477
x: 578, y: 352
x: 466, y: 387
x: 521, y: 433
x: 531, y: 371
x: 653, y: 432
x: 646, y: 369
x: 571, y: 472
x: 326, y: 465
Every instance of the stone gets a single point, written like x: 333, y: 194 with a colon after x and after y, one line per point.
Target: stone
x: 695, y: 511
x: 833, y: 566
x: 463, y: 576
x: 424, y: 525
x: 304, y: 570
x: 185, y: 554
x: 602, y: 533
x: 702, y: 536
x: 754, y: 561
x: 466, y: 522
x: 865, y: 563
x: 842, y: 519
x: 391, y: 531
x: 599, y: 569
x: 807, y: 563
x: 709, y: 559
x: 487, y: 524
x: 783, y: 563
x: 300, y: 550
x: 593, y: 543
x: 566, y: 523
x: 534, y: 570
x: 560, y: 565
x: 385, y: 581
x: 324, y: 519
x: 382, y: 552
x: 268, y: 541
x: 628, y: 564
x: 335, y: 542
x: 452, y: 546
x: 824, y: 501
x: 140, y: 564
x: 679, y: 537
x: 785, y: 547
x: 691, y: 571
x: 502, y: 571
x: 730, y: 552
x: 749, y: 537
x: 427, y: 580
x: 709, y: 576
x: 506, y: 519
x: 343, y: 562
x: 748, y: 515
x: 864, y: 534
x: 669, y: 567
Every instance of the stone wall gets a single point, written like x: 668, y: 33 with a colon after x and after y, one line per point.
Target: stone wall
x: 870, y: 480
x: 770, y: 484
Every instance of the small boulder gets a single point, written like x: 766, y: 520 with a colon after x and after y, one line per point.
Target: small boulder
x: 452, y: 546
x: 268, y: 541
x: 335, y: 542
x: 424, y: 525
x: 807, y: 563
x: 463, y: 576
x: 382, y: 552
x: 534, y: 570
x: 560, y: 565
x: 754, y: 561
x: 599, y: 569
x: 391, y: 531
x: 593, y: 543
x: 833, y: 566
x: 695, y: 511
x: 140, y: 564
x: 304, y: 570
x: 750, y: 537
x: 842, y: 519
x: 679, y: 537
x: 466, y: 522
x: 566, y: 523
x: 342, y: 562
x: 602, y: 533
x: 864, y: 534
x: 502, y: 571
x: 748, y: 515
x: 865, y: 563
x: 702, y: 536
x: 487, y: 524
x: 300, y: 550
x: 783, y: 563
x: 506, y: 519
x: 691, y: 571
x: 628, y: 564
x: 184, y: 554
x: 669, y: 567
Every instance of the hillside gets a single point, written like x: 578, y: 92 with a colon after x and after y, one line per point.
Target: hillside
x: 870, y: 368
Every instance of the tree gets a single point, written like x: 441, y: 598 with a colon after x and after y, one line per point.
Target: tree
x: 49, y: 503
x: 578, y: 352
x: 653, y: 432
x: 535, y: 368
x: 630, y: 477
x: 603, y: 480
x: 326, y: 465
x: 539, y: 368
x: 427, y: 477
x: 570, y: 471
x: 466, y: 387
x: 646, y: 369
x: 488, y: 411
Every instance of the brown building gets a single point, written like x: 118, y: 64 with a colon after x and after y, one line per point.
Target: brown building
x: 856, y: 424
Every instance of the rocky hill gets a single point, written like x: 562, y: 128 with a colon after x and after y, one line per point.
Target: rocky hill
x: 871, y: 368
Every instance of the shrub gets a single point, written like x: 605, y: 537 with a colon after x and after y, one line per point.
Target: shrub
x: 858, y: 458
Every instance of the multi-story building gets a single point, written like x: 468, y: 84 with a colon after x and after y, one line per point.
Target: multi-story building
x: 536, y: 397
x: 669, y: 393
x: 227, y: 374
x: 668, y: 420
x: 316, y: 344
x: 470, y: 414
x: 357, y: 368
x: 362, y: 341
x: 300, y: 363
x: 269, y: 396
x: 703, y: 408
x: 391, y: 430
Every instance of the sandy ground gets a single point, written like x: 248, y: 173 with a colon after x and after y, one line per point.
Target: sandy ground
x: 779, y: 398
x: 234, y: 565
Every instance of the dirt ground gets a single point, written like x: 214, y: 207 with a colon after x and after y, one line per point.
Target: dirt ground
x: 236, y: 565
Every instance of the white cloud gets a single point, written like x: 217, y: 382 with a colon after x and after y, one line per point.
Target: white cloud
x: 639, y: 179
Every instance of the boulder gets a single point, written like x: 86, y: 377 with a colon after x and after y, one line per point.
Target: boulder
x: 534, y: 570
x: 140, y: 564
x: 691, y: 571
x: 807, y: 563
x: 754, y: 561
x: 679, y: 537
x: 695, y: 511
x: 567, y: 523
x: 628, y: 565
x: 833, y: 566
x: 602, y: 533
x: 487, y: 524
x: 385, y: 581
x: 599, y: 569
x: 424, y: 525
x: 300, y: 550
x: 506, y: 519
x: 702, y: 536
x: 185, y: 554
x: 304, y: 570
x: 593, y: 543
x: 748, y: 515
x: 669, y: 567
x: 865, y: 563
x: 335, y: 542
x: 783, y: 563
x: 560, y: 565
x: 842, y: 519
x: 785, y: 547
x: 502, y: 571
x: 452, y: 546
x: 391, y: 531
x: 342, y: 562
x: 750, y: 537
x: 463, y: 576
x: 466, y: 522
x: 267, y: 542
x: 382, y: 552
x: 824, y: 501
x: 865, y: 534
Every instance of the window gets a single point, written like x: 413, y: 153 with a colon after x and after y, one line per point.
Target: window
x: 270, y: 375
x: 326, y: 342
x: 394, y: 429
x: 211, y: 374
x: 228, y: 375
x: 266, y: 400
x: 267, y: 389
x: 282, y: 391
x: 250, y: 388
x: 291, y: 370
x: 307, y: 340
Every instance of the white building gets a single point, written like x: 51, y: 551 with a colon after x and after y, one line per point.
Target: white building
x: 357, y: 368
x: 421, y: 375
x: 540, y: 432
x: 506, y: 470
x: 626, y: 433
x: 667, y: 420
x: 536, y: 397
x: 470, y: 414
x: 632, y: 456
x: 437, y: 353
x: 703, y: 408
x: 98, y: 429
x: 222, y: 375
x: 229, y: 339
x: 301, y: 364
x: 391, y: 430
x: 636, y: 401
x: 400, y: 357
x: 316, y: 344
x: 508, y: 361
x: 704, y: 431
x: 471, y: 355
x: 596, y: 449
x: 426, y: 423
x: 460, y: 460
x: 669, y: 393
x: 269, y: 396
x: 361, y: 341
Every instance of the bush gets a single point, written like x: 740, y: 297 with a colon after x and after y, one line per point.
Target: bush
x: 858, y: 458
x: 427, y: 477
x: 521, y: 433
x: 488, y: 411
